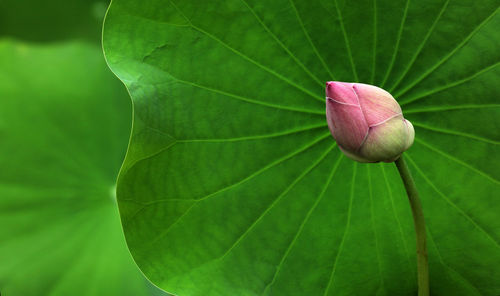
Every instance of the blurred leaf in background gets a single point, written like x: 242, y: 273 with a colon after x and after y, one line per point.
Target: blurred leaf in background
x: 52, y: 20
x: 64, y: 126
x: 64, y: 130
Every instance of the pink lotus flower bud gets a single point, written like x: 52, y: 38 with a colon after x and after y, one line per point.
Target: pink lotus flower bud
x: 367, y: 122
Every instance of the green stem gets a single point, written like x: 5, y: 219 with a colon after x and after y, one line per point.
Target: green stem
x: 418, y: 219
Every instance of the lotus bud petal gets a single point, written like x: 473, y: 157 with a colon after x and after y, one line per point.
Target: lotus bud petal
x: 367, y: 122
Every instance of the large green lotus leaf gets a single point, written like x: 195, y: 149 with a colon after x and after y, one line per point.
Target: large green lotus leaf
x: 232, y: 184
x: 64, y: 124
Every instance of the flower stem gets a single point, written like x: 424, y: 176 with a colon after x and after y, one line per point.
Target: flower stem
x: 418, y: 219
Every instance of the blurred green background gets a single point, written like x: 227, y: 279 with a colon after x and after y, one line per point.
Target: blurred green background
x: 64, y: 126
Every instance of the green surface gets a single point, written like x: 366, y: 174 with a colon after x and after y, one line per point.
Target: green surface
x: 51, y: 20
x: 64, y: 126
x: 232, y: 184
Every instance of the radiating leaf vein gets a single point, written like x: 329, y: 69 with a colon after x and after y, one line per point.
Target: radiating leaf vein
x: 420, y: 47
x: 266, y: 28
x: 277, y: 199
x: 313, y: 47
x: 396, y: 48
x: 346, y: 230
x: 254, y: 174
x: 255, y: 137
x: 374, y: 227
x: 302, y: 225
x: 450, y: 108
x: 449, y: 268
x: 418, y: 96
x: 454, y: 159
x: 446, y: 57
x: 247, y: 58
x: 245, y: 99
x: 375, y: 36
x: 346, y: 40
x: 451, y: 203
x: 393, y: 206
x: 455, y: 133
